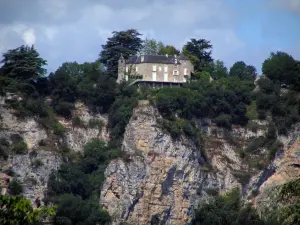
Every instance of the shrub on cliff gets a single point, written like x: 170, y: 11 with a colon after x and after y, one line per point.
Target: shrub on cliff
x: 227, y: 209
x: 15, y: 187
x: 76, y: 184
x: 19, y: 147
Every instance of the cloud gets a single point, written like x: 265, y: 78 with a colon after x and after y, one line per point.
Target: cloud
x: 29, y: 37
x: 51, y: 33
x: 291, y: 5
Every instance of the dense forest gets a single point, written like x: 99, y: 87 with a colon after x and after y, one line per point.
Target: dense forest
x: 228, y: 97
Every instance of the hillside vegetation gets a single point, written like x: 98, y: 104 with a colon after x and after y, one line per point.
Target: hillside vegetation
x: 228, y: 99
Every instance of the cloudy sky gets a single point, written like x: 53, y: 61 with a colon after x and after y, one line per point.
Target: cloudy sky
x: 74, y: 30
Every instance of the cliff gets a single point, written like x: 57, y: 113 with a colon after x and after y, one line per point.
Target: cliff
x: 45, y: 151
x: 163, y: 179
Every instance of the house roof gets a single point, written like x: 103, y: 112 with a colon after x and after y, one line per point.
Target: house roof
x: 155, y: 59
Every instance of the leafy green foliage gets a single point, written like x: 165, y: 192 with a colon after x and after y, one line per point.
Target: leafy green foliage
x: 168, y: 50
x: 199, y: 52
x: 121, y: 112
x: 126, y: 42
x: 224, y: 101
x: 73, y: 210
x: 96, y: 124
x: 76, y: 185
x: 243, y: 71
x: 15, y: 210
x: 4, y: 148
x: 15, y: 187
x: 227, y: 209
x: 19, y: 147
x: 282, y: 104
x: 23, y: 64
x: 153, y: 47
x: 288, y: 211
x: 283, y: 69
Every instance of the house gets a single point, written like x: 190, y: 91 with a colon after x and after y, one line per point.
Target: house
x: 155, y: 70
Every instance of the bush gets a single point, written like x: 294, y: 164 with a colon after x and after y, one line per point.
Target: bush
x: 96, y: 123
x: 223, y: 121
x: 77, y: 122
x: 4, y: 148
x: 64, y: 109
x: 37, y: 163
x: 255, y: 144
x: 58, y: 129
x: 20, y: 147
x: 15, y: 187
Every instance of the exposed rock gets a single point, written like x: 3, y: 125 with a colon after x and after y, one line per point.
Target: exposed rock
x: 164, y: 178
x: 286, y: 168
x: 77, y: 136
x: 28, y: 129
x: 33, y: 170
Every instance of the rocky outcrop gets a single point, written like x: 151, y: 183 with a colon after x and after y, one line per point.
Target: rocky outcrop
x: 28, y: 129
x: 286, y: 168
x: 77, y: 136
x: 163, y: 179
x: 32, y: 169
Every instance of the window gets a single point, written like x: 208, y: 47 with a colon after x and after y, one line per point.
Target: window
x: 166, y: 69
x: 185, y: 71
x: 165, y: 76
x: 153, y: 76
x: 175, y: 72
x: 159, y: 68
x: 126, y: 69
x: 154, y: 68
x: 136, y: 69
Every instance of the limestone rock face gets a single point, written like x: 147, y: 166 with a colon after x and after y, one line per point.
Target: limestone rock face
x: 286, y: 168
x: 77, y: 136
x: 33, y: 169
x: 163, y: 178
x: 28, y: 129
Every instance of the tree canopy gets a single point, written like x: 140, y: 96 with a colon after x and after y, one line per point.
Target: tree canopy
x: 23, y: 63
x: 243, y: 71
x: 153, y: 47
x: 283, y: 69
x: 126, y: 42
x: 15, y: 210
x: 199, y: 52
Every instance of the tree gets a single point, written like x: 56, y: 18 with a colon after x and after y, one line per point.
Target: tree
x: 151, y: 47
x: 282, y: 68
x: 15, y: 210
x: 23, y: 63
x: 199, y: 52
x: 243, y: 71
x: 219, y: 70
x: 168, y: 50
x: 126, y: 42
